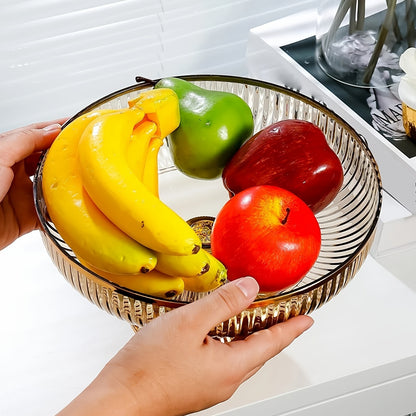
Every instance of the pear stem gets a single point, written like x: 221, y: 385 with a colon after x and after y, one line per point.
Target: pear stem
x: 141, y: 80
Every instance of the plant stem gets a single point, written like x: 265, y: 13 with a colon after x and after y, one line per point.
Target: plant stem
x: 353, y: 22
x: 410, y: 16
x: 343, y: 8
x: 396, y: 27
x: 384, y: 30
x: 360, y: 14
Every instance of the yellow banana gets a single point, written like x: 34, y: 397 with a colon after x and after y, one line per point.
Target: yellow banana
x: 151, y: 171
x: 137, y: 148
x: 213, y: 278
x: 184, y: 266
x: 80, y: 223
x: 160, y: 106
x: 121, y: 196
x: 153, y: 283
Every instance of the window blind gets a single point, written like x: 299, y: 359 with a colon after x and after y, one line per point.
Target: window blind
x: 58, y: 56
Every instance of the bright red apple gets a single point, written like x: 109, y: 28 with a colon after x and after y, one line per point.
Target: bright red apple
x: 268, y: 233
x: 291, y: 154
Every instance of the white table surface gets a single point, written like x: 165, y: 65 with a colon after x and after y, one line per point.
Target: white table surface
x: 54, y: 342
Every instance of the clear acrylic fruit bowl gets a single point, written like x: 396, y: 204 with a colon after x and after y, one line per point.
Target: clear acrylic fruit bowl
x: 347, y: 225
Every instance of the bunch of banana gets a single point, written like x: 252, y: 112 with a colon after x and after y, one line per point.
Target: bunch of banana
x: 88, y: 232
x: 211, y: 279
x: 200, y: 272
x: 100, y: 184
x: 152, y: 283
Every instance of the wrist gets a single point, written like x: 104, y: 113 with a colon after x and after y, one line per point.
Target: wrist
x: 111, y: 394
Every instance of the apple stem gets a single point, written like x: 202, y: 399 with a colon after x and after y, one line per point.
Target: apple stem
x: 284, y: 221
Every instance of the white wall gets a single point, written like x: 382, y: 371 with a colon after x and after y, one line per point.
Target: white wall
x: 56, y: 56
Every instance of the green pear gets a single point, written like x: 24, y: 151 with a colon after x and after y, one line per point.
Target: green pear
x: 213, y: 126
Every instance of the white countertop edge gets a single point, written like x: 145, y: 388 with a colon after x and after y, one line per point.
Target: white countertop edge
x: 394, y: 382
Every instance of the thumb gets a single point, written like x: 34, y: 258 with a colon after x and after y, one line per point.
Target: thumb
x: 224, y: 303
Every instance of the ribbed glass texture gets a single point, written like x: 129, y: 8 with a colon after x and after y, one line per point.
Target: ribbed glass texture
x: 347, y: 225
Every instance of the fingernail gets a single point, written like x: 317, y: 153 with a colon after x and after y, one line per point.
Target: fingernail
x: 51, y: 127
x: 311, y: 322
x: 249, y: 286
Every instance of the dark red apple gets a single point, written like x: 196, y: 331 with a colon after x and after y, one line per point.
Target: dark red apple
x: 291, y: 154
x: 268, y: 233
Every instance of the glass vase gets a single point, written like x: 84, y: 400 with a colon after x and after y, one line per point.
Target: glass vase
x: 359, y: 42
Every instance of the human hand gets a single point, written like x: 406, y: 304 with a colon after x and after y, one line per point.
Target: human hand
x: 19, y: 153
x: 171, y: 367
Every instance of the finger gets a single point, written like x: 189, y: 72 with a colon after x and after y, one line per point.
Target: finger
x: 224, y: 303
x: 31, y: 162
x: 18, y: 144
x: 21, y: 198
x: 267, y: 343
x: 38, y: 125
